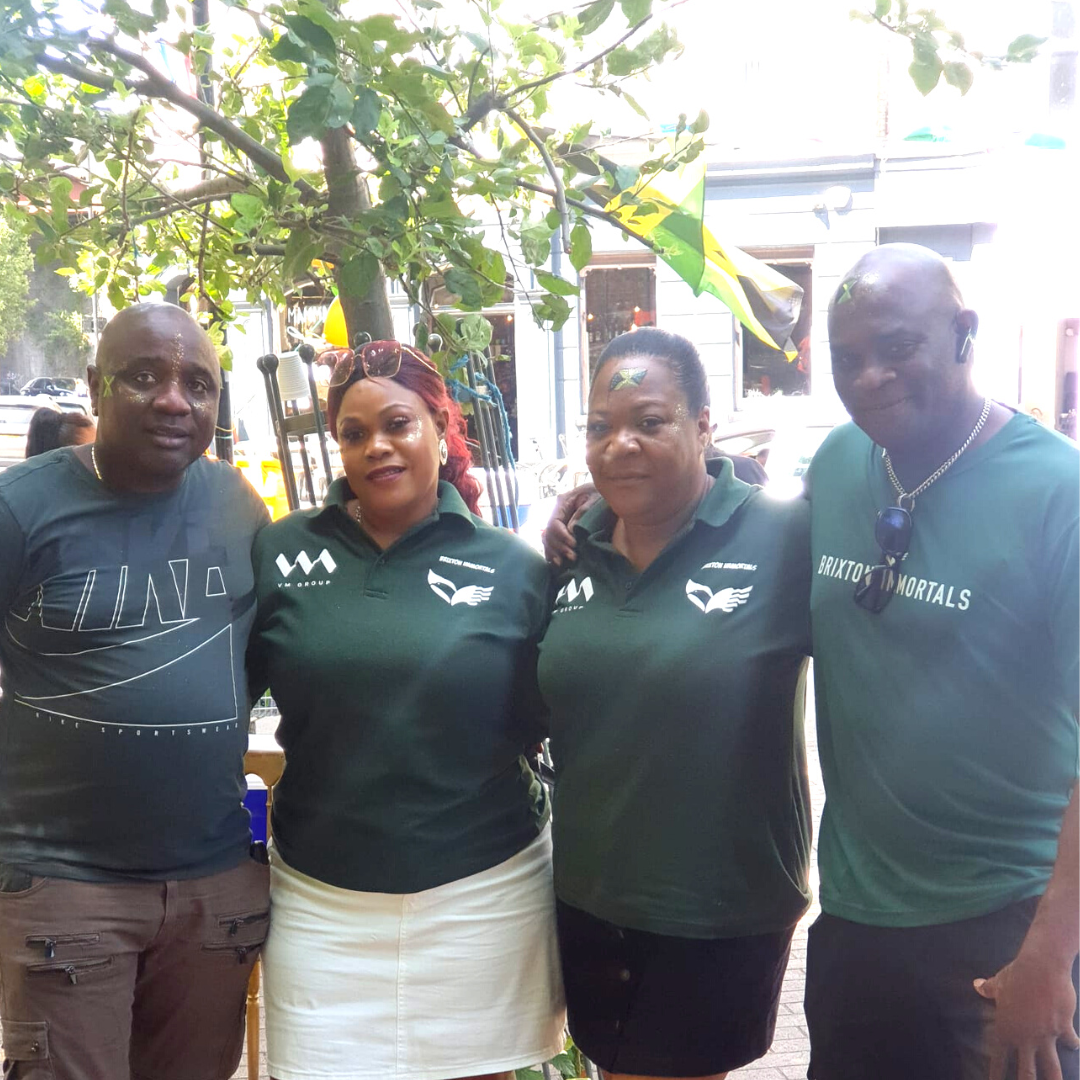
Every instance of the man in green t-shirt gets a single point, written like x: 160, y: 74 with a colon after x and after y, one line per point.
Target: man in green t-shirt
x: 131, y: 910
x: 945, y: 631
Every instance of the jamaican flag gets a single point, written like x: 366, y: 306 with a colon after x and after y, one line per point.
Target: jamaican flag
x: 668, y: 215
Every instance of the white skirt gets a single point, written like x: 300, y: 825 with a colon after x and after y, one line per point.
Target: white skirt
x: 459, y: 980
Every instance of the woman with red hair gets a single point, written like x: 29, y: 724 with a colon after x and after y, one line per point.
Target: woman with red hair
x: 412, y: 927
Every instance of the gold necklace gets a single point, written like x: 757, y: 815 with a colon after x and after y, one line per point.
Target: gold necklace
x: 93, y: 461
x: 357, y: 517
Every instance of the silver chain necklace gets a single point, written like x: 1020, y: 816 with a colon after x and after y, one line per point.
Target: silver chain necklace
x: 940, y: 471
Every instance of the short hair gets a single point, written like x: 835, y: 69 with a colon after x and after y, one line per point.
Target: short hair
x: 675, y: 352
x: 51, y: 428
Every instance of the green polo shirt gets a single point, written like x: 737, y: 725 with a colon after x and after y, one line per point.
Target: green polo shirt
x: 676, y: 696
x: 947, y: 722
x: 406, y: 680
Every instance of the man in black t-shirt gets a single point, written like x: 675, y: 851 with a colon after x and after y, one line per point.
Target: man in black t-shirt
x: 130, y: 909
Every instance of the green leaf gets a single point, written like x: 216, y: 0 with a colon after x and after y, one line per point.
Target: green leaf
x: 536, y: 242
x: 553, y: 309
x: 474, y: 332
x: 626, y: 177
x: 115, y: 293
x: 565, y: 1064
x: 633, y: 103
x: 60, y: 192
x: 959, y: 75
x: 1024, y: 48
x: 247, y: 206
x: 580, y: 246
x: 379, y: 27
x: 635, y: 10
x: 341, y: 105
x: 367, y: 108
x: 466, y: 285
x: 301, y: 247
x: 555, y: 284
x: 308, y: 113
x: 925, y: 74
x: 882, y: 8
x: 700, y: 124
x: 439, y: 209
x: 114, y: 167
x: 320, y: 39
x: 289, y: 50
x: 593, y: 17
x: 357, y: 275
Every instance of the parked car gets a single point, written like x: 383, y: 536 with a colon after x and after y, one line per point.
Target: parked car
x: 783, y: 452
x: 55, y: 386
x: 16, y: 412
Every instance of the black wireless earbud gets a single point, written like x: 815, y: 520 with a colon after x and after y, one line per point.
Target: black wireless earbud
x: 963, y: 346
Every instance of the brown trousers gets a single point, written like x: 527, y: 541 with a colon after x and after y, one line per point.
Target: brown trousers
x: 142, y: 980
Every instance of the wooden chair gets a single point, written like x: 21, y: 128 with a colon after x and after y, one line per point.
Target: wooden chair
x: 266, y: 760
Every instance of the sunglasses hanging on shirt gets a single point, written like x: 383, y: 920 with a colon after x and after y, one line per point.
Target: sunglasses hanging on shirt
x: 892, y: 529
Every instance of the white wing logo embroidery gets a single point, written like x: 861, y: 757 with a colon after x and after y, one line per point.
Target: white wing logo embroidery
x: 725, y: 600
x: 448, y: 591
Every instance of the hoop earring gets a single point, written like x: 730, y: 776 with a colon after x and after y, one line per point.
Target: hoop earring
x: 444, y: 452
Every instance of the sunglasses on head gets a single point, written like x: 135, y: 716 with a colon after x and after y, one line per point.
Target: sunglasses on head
x: 377, y: 360
x: 892, y: 531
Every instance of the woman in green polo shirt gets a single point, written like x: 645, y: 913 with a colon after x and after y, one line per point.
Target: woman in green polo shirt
x: 674, y: 669
x: 413, y: 913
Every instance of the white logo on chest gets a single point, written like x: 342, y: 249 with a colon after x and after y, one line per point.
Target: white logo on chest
x: 572, y: 591
x: 306, y: 564
x: 448, y: 591
x: 703, y: 598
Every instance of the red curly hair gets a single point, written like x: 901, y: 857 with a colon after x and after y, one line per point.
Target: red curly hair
x: 428, y: 385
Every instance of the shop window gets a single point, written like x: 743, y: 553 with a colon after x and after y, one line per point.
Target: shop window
x: 618, y: 299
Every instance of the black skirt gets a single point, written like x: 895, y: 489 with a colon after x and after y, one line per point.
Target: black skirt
x: 655, y: 1005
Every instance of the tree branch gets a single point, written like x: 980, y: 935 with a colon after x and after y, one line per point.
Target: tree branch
x: 155, y: 85
x: 560, y: 189
x: 536, y: 83
x: 600, y: 215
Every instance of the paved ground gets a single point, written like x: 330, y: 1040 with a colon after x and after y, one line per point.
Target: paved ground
x: 790, y: 1052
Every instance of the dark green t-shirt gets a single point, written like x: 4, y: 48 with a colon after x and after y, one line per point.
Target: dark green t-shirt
x: 676, y: 698
x: 406, y: 680
x: 947, y: 723
x: 123, y: 721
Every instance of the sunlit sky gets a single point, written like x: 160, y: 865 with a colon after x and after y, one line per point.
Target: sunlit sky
x: 785, y: 77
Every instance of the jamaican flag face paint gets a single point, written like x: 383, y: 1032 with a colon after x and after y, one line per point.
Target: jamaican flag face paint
x: 625, y: 378
x: 107, y: 385
x: 850, y: 287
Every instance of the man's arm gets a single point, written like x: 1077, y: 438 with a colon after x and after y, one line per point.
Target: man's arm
x: 1034, y: 996
x: 559, y: 543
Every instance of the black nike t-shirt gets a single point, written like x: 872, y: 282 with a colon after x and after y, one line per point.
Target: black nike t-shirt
x: 123, y: 720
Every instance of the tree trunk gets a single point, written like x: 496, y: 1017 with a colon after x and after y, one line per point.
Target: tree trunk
x: 347, y: 198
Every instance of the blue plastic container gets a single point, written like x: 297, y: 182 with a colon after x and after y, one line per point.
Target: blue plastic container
x: 255, y: 801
